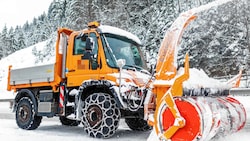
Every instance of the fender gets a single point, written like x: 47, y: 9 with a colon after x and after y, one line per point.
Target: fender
x: 99, y: 84
x: 25, y: 93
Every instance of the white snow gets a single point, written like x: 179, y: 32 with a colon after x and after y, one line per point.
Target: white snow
x: 118, y: 31
x: 199, y: 79
x: 52, y: 130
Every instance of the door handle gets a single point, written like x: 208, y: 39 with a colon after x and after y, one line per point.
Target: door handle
x: 72, y: 70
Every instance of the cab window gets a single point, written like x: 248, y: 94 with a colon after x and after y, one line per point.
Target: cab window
x: 95, y: 48
x: 122, y: 48
x: 80, y: 44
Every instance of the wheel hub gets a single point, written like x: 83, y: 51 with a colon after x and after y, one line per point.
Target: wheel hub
x: 100, y: 115
x: 94, y: 116
x: 24, y: 113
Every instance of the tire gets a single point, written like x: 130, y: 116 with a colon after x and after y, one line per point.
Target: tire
x: 68, y: 122
x: 25, y: 115
x: 101, y: 115
x: 137, y: 124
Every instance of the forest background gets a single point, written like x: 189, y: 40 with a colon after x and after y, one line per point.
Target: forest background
x: 218, y: 41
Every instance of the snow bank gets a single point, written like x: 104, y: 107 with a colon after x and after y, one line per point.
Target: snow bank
x: 19, y: 59
x: 199, y: 79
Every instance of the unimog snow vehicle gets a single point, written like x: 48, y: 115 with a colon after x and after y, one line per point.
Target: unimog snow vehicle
x: 99, y: 76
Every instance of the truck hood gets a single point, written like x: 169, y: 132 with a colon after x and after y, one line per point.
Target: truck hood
x: 132, y: 77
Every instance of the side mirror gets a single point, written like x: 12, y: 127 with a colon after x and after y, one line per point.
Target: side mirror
x: 121, y: 62
x: 87, y: 53
x: 89, y: 43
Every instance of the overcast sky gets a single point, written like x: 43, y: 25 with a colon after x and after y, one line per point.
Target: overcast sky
x: 17, y: 12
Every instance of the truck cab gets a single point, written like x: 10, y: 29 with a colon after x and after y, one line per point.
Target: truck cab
x: 98, y: 77
x: 108, y: 44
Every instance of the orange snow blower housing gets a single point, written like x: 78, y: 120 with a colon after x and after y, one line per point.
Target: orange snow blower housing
x: 181, y: 115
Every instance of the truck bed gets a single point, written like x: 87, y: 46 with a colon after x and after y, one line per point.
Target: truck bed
x: 44, y: 73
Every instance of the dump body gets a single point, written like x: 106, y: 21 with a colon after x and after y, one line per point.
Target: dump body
x: 40, y: 74
x: 37, y: 76
x: 49, y: 75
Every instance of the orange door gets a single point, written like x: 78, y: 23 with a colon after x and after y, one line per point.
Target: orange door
x: 80, y: 68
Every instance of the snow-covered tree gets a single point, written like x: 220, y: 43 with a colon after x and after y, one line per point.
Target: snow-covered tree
x: 56, y: 12
x: 78, y: 14
x: 3, y: 38
x: 20, y: 38
x: 216, y: 40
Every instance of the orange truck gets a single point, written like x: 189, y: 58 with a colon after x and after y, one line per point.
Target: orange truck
x: 99, y: 76
x: 86, y: 83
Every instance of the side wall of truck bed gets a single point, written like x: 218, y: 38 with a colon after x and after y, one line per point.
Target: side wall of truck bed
x: 37, y: 74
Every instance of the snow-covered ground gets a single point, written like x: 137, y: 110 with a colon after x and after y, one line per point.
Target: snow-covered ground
x: 52, y: 130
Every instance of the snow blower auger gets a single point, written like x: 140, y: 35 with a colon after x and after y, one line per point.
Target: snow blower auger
x: 184, y: 114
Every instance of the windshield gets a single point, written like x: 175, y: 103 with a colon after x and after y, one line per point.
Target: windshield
x: 123, y: 48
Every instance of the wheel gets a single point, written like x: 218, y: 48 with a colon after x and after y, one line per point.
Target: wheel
x: 101, y: 115
x: 25, y: 114
x: 68, y: 122
x: 137, y: 124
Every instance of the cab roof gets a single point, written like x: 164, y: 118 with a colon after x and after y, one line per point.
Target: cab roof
x: 120, y: 32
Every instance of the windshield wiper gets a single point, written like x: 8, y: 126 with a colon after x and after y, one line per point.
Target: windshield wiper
x: 129, y: 67
x: 135, y: 67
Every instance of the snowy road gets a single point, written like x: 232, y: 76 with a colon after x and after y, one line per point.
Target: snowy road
x: 51, y: 129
